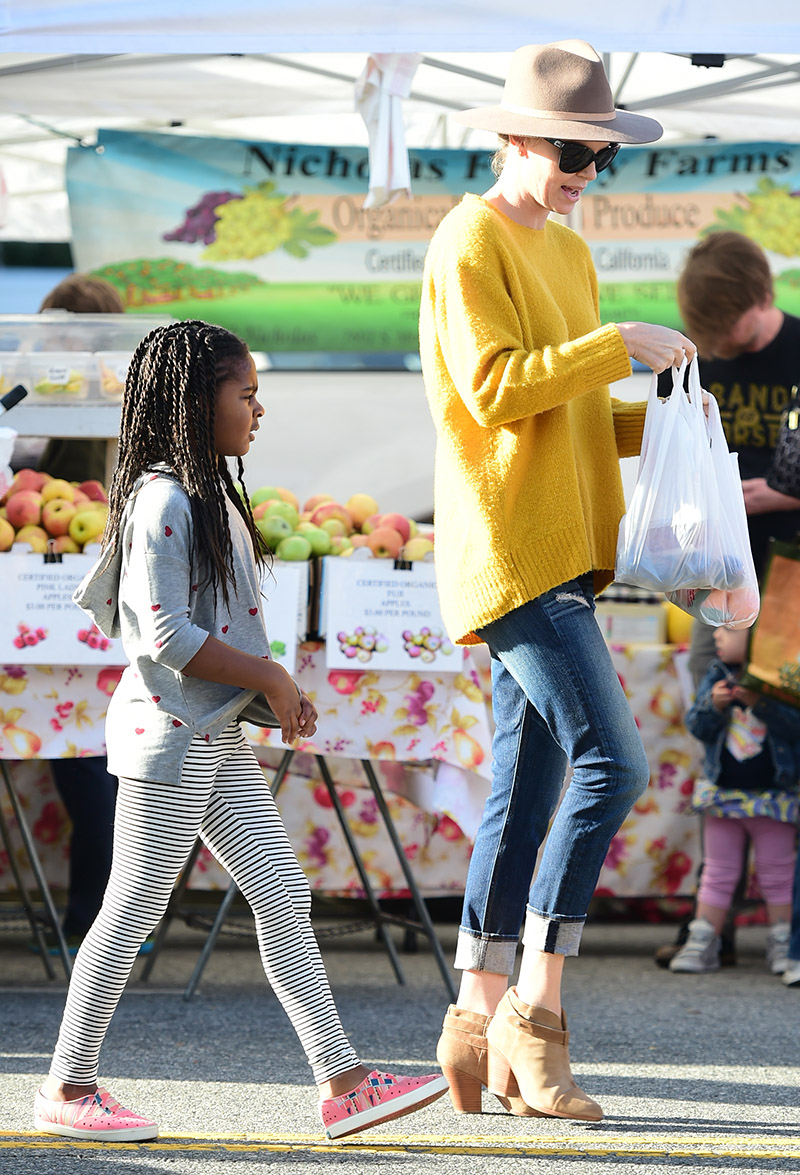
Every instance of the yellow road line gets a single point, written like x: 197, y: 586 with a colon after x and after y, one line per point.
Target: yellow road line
x: 598, y: 1144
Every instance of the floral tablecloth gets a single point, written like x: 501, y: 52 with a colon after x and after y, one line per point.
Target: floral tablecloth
x: 403, y: 722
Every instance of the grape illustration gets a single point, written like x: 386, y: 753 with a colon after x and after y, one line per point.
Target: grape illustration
x: 199, y: 223
x: 425, y: 644
x: 263, y: 221
x: 361, y: 643
x: 771, y: 217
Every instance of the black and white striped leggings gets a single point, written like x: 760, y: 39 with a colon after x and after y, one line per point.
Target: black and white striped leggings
x: 223, y: 796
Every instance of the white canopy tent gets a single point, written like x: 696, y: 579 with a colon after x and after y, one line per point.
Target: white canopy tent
x: 267, y: 70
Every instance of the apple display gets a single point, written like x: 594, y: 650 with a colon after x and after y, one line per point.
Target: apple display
x: 398, y: 522
x: 87, y: 525
x: 94, y: 490
x: 361, y: 507
x: 385, y: 542
x: 34, y: 536
x: 57, y: 488
x: 24, y: 508
x: 294, y: 549
x: 57, y: 515
x: 6, y: 534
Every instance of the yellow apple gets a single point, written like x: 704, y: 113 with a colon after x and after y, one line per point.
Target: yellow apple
x: 57, y: 488
x: 88, y: 524
x: 361, y: 506
x: 34, y: 536
x: 6, y: 534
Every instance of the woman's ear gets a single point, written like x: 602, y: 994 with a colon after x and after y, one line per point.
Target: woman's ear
x: 521, y: 144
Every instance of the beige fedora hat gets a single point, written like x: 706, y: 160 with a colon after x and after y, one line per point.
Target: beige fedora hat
x: 561, y: 91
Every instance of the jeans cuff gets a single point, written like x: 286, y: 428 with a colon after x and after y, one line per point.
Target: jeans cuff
x: 547, y: 934
x: 477, y: 953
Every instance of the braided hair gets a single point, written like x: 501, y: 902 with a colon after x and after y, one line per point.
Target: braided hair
x: 168, y: 413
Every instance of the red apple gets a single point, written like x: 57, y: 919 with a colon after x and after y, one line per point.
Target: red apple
x: 332, y: 510
x: 64, y: 545
x: 260, y: 509
x: 359, y: 540
x: 24, y: 508
x: 26, y: 479
x: 57, y: 515
x: 94, y: 490
x: 385, y: 542
x: 315, y: 500
x: 398, y: 522
x: 370, y: 524
x: 80, y: 496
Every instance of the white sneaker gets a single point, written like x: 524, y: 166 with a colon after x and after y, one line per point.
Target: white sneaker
x: 778, y: 947
x: 701, y: 950
x: 791, y: 976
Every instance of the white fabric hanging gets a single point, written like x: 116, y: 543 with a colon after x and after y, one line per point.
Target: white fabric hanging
x: 380, y: 90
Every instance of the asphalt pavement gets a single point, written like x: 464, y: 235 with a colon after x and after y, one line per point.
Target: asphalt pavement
x: 693, y: 1071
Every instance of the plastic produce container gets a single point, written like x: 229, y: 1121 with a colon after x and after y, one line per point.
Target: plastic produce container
x: 61, y: 377
x: 112, y: 368
x: 14, y: 370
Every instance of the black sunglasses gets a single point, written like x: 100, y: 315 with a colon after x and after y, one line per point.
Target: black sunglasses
x: 577, y: 156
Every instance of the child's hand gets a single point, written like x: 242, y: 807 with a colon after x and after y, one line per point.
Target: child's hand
x: 747, y: 697
x: 722, y: 695
x: 308, y: 717
x: 281, y: 693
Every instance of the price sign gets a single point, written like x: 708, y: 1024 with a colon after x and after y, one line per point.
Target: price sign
x: 285, y: 589
x: 384, y: 618
x: 39, y: 624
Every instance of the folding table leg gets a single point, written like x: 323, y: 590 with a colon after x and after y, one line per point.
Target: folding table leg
x: 38, y: 872
x: 31, y: 914
x: 422, y: 910
x: 380, y: 918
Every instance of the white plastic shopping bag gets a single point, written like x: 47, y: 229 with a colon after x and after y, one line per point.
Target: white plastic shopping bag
x: 736, y: 603
x: 671, y: 536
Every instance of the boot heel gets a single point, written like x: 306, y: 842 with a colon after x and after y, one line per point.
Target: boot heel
x: 465, y: 1090
x: 500, y: 1079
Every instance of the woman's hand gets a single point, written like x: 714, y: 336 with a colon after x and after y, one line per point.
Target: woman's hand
x: 657, y: 347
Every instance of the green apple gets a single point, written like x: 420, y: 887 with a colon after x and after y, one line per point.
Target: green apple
x: 320, y: 539
x: 281, y: 509
x: 262, y: 493
x: 88, y: 524
x: 273, y: 530
x: 294, y: 549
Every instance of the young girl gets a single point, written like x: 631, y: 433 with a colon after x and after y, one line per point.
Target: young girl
x: 179, y: 580
x: 752, y: 763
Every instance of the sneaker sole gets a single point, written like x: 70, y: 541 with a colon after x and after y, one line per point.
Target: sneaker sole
x: 694, y: 970
x: 415, y: 1099
x: 117, y: 1134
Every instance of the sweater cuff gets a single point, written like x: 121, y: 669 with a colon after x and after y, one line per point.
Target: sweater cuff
x: 606, y: 359
x: 629, y: 426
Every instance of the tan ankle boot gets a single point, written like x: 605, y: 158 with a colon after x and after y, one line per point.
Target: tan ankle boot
x: 528, y: 1048
x: 462, y: 1053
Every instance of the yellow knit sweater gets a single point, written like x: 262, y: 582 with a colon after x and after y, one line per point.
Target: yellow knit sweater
x: 528, y: 492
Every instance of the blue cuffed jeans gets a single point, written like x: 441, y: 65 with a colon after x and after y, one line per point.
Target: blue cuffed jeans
x: 556, y: 699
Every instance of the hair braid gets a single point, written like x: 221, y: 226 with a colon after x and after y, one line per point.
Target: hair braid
x: 168, y: 414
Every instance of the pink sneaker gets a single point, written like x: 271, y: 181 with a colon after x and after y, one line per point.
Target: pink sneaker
x: 379, y: 1098
x: 97, y: 1115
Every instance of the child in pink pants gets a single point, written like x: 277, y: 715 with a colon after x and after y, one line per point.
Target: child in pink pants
x: 750, y: 789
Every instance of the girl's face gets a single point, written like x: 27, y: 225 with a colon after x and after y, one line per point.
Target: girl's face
x: 237, y: 411
x: 552, y: 189
x: 731, y: 644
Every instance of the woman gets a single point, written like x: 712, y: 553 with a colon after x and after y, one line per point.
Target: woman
x: 528, y: 498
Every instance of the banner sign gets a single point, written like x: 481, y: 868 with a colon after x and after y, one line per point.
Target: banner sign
x: 272, y: 239
x: 383, y: 617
